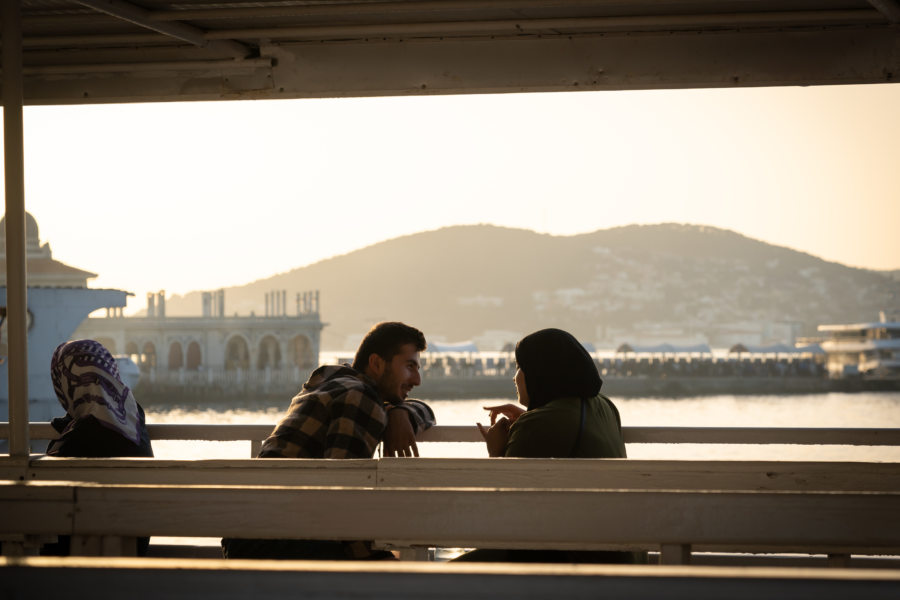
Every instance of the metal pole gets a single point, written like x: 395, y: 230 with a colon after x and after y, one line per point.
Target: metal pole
x: 16, y: 291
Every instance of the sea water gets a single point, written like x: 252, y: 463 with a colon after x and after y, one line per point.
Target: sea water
x: 868, y: 409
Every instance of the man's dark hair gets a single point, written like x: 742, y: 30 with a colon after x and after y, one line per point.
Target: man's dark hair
x: 385, y: 340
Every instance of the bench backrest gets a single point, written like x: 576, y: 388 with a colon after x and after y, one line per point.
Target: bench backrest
x: 848, y: 522
x: 472, y: 472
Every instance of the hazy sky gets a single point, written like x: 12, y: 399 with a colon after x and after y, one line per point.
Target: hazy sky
x: 187, y: 196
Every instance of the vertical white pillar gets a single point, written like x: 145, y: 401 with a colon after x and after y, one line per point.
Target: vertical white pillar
x: 16, y: 290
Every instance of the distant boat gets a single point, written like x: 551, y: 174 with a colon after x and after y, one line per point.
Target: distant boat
x: 868, y: 351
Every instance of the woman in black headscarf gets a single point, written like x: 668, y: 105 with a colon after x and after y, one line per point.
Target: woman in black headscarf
x: 565, y: 416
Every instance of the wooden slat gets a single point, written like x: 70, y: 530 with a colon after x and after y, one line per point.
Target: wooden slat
x: 639, y: 474
x: 475, y: 472
x: 36, y: 508
x: 852, y: 436
x: 802, y: 521
x: 104, y: 579
x: 855, y: 436
x: 207, y: 472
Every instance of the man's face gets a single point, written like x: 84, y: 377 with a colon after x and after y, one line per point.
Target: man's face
x: 400, y: 375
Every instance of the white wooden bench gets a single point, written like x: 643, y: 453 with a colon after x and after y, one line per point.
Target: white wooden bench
x: 674, y: 521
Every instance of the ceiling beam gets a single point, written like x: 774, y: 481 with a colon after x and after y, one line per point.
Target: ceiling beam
x: 182, y: 31
x: 383, y: 8
x: 722, y: 59
x: 889, y: 8
x: 558, y: 26
x: 144, y: 67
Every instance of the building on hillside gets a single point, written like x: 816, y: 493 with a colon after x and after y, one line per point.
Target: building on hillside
x: 58, y: 299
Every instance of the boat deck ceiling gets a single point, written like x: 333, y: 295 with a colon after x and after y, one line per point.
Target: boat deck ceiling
x: 88, y: 51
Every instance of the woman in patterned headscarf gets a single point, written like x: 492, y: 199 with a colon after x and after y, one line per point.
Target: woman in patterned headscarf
x: 102, y: 417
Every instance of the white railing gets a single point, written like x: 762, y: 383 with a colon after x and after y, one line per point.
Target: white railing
x: 851, y: 436
x: 254, y: 434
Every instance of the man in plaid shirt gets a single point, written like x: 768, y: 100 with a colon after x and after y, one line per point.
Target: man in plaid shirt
x: 344, y: 412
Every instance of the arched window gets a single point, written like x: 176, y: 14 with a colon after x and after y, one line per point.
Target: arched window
x: 131, y: 351
x: 194, y: 357
x: 148, y: 356
x: 302, y: 352
x: 176, y: 356
x: 269, y: 353
x: 237, y: 354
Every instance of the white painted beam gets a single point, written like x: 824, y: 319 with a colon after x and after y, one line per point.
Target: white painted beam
x: 14, y: 164
x: 470, y: 472
x: 782, y: 521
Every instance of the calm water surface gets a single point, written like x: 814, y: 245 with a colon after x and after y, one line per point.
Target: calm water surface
x: 813, y: 410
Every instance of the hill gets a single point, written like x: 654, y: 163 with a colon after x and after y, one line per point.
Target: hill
x: 460, y: 282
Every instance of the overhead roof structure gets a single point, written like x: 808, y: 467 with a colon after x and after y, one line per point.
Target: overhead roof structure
x: 100, y: 51
x: 89, y: 51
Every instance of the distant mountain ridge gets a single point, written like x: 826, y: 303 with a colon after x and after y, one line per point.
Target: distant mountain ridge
x: 458, y: 282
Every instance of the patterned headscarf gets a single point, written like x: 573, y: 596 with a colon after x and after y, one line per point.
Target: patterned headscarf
x: 87, y: 383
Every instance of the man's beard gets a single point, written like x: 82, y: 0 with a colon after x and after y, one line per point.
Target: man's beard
x: 387, y: 388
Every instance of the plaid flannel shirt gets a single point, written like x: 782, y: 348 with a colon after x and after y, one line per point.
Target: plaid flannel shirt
x: 338, y: 414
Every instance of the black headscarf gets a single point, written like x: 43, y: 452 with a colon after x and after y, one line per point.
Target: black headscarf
x: 556, y: 365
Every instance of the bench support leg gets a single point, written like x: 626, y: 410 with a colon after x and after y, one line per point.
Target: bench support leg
x: 675, y: 554
x: 839, y: 561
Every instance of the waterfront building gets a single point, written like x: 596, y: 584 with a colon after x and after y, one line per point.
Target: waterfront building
x: 58, y: 299
x: 215, y: 354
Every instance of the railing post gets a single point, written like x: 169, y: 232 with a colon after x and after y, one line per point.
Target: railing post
x: 16, y: 285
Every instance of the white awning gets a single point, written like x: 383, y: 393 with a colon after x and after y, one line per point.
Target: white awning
x: 664, y: 349
x: 458, y: 347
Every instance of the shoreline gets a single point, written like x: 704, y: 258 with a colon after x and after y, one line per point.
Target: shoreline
x: 501, y: 387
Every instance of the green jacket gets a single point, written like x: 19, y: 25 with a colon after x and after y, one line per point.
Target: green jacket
x: 551, y: 431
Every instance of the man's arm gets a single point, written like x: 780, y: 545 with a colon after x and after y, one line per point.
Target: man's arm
x: 404, y: 421
x: 420, y: 414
